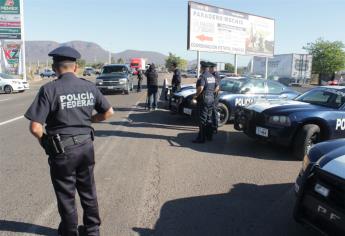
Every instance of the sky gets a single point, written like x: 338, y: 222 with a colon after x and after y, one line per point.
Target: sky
x: 161, y: 25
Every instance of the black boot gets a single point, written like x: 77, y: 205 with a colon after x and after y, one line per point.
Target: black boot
x: 209, y: 132
x: 201, y: 135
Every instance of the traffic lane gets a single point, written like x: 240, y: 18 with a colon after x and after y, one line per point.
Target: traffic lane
x: 16, y: 104
x: 231, y: 186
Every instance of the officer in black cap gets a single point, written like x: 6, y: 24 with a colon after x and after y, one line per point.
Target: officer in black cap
x: 176, y: 79
x: 65, y: 106
x: 215, y: 116
x: 206, y: 86
x: 175, y: 82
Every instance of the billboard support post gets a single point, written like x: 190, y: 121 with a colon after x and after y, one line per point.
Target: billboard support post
x: 198, y: 63
x: 23, y: 39
x: 252, y: 66
x: 235, y: 64
x: 266, y: 67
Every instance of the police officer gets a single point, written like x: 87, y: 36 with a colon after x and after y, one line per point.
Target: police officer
x: 176, y: 79
x: 175, y: 82
x: 215, y: 116
x: 140, y: 79
x: 206, y: 86
x: 65, y: 106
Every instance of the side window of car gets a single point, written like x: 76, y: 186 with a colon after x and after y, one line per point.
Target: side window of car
x: 258, y: 87
x: 275, y: 88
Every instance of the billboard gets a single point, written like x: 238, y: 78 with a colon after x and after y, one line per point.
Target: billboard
x: 12, y: 45
x: 297, y: 66
x: 11, y: 56
x: 10, y: 19
x: 214, y: 29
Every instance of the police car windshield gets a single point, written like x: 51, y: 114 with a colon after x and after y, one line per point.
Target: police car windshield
x: 6, y: 76
x: 231, y: 85
x: 324, y: 97
x: 114, y: 69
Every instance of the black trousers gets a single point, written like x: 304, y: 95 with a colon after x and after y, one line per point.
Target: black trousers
x: 139, y: 85
x: 152, y: 96
x: 73, y: 171
x: 215, y: 116
x: 205, y: 112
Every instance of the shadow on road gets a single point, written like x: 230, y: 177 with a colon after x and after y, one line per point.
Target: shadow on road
x: 225, y: 142
x: 20, y: 227
x: 247, y: 210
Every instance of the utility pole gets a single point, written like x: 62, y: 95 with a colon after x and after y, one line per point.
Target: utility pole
x: 109, y: 62
x: 198, y: 64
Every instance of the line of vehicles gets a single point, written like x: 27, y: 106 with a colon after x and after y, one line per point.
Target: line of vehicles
x: 311, y: 124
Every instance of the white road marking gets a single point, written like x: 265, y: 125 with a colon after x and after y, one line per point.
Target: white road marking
x: 11, y: 120
x: 4, y: 100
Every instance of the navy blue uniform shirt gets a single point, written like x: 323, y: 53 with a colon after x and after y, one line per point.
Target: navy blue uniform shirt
x: 176, y: 80
x: 65, y: 105
x: 208, y: 81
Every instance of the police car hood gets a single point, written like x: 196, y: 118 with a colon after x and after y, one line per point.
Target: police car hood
x: 282, y: 106
x: 186, y: 92
x: 112, y: 76
x: 330, y: 156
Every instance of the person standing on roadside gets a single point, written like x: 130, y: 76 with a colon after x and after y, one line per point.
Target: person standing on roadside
x: 206, y: 86
x: 175, y: 82
x: 65, y: 106
x: 176, y: 79
x: 140, y: 79
x: 215, y: 115
x: 152, y: 87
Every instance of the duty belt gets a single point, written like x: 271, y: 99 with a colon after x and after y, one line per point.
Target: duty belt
x: 78, y: 139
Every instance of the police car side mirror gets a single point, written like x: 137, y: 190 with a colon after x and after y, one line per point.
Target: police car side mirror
x: 246, y: 90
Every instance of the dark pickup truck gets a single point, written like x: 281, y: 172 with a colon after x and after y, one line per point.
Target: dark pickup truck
x: 115, y: 77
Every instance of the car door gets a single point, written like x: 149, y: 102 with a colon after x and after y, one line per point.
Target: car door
x: 250, y: 92
x: 2, y: 85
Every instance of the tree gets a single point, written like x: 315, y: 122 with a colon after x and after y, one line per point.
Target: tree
x: 229, y: 67
x: 81, y: 63
x: 97, y: 65
x: 120, y: 61
x: 328, y: 57
x: 172, y: 58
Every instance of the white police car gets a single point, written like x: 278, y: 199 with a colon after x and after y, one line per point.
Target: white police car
x: 320, y: 188
x: 9, y: 84
x: 315, y: 116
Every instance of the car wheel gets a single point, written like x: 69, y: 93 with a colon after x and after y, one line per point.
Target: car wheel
x: 223, y: 113
x: 8, y: 89
x: 305, y: 139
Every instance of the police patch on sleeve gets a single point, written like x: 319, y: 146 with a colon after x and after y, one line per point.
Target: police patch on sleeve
x: 75, y: 100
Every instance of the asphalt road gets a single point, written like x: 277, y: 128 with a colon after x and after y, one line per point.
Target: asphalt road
x: 151, y: 179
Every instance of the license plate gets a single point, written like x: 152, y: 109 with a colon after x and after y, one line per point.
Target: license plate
x: 187, y: 111
x: 110, y: 87
x: 262, y: 131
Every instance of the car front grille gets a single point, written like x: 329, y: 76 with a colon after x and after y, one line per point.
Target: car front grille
x: 249, y: 119
x: 110, y: 83
x: 326, y: 213
x: 333, y: 183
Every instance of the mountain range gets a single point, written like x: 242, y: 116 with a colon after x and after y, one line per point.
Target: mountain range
x: 37, y: 51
